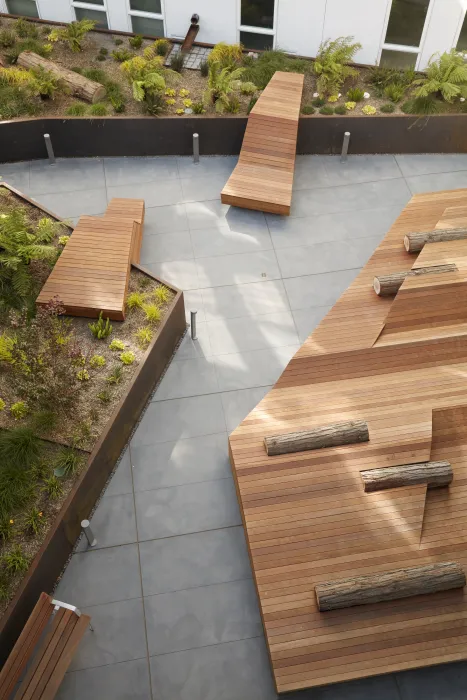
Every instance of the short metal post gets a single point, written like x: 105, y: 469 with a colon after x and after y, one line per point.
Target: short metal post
x: 193, y: 325
x: 89, y: 533
x: 345, y: 146
x: 50, y: 150
x: 195, y: 148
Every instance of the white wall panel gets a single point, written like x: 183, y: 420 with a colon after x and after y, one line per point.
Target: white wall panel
x: 443, y: 28
x: 363, y: 19
x: 300, y: 25
x: 57, y: 10
x: 117, y: 11
x: 218, y: 19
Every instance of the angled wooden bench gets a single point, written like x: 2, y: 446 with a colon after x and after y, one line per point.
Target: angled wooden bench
x: 263, y: 177
x: 56, y: 629
x: 129, y: 209
x: 93, y: 270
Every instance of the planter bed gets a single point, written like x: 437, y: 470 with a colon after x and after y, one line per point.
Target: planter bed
x: 95, y: 430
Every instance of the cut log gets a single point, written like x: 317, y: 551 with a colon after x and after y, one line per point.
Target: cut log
x: 389, y: 285
x: 414, y: 242
x: 433, y: 474
x: 78, y: 85
x: 317, y: 438
x: 389, y: 585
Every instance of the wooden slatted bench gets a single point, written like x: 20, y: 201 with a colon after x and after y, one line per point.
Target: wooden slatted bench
x: 129, y: 209
x: 263, y: 177
x: 93, y: 271
x: 56, y: 629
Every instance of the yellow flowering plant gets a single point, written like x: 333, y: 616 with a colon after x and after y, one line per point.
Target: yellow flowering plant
x: 369, y: 110
x: 350, y: 105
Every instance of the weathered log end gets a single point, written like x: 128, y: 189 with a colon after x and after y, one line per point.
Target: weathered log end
x: 389, y: 285
x: 433, y: 474
x: 318, y: 438
x: 389, y: 585
x: 415, y: 241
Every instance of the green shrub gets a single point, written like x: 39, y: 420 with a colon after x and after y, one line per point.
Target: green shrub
x: 33, y: 521
x: 15, y: 561
x: 161, y: 47
x: 97, y: 361
x: 44, y: 421
x: 6, y: 527
x: 222, y: 82
x: 135, y: 300
x: 355, y: 94
x: 15, y: 488
x: 152, y: 312
x: 19, y: 410
x: 77, y: 109
x: 204, y: 68
x: 326, y: 110
x: 162, y: 295
x: 154, y: 103
x: 232, y: 104
x: 100, y: 329
x: 251, y: 104
x: 331, y: 64
x: 67, y: 462
x: 117, y: 344
x: 83, y: 375
x: 248, y: 88
x: 144, y: 336
x: 101, y: 57
x: 25, y: 29
x: 103, y: 51
x: 318, y: 102
x: 96, y: 74
x: 128, y: 357
x: 2, y: 405
x: 7, y: 38
x: 115, y: 96
x: 388, y: 108
x: 369, y: 110
x: 382, y: 76
x: 308, y: 109
x: 423, y: 105
x: 136, y: 41
x: 98, y: 110
x: 394, y: 92
x: 118, y: 41
x: 104, y: 396
x: 340, y: 109
x: 122, y: 55
x: 446, y: 77
x: 260, y: 71
x: 198, y: 108
x: 73, y: 34
x: 19, y: 447
x: 177, y: 61
x: 47, y: 82
x: 6, y: 348
x: 52, y: 488
x: 144, y: 282
x: 226, y: 55
x: 116, y: 375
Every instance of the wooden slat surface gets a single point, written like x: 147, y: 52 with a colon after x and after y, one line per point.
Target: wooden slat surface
x: 93, y: 270
x: 129, y: 209
x: 263, y: 177
x: 306, y: 516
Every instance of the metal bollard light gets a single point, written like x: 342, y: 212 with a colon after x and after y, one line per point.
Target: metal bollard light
x: 345, y: 146
x: 88, y: 533
x: 193, y: 325
x: 50, y: 150
x: 195, y: 148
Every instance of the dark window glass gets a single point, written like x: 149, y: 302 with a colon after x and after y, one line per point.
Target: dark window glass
x: 258, y: 13
x: 27, y: 8
x: 462, y: 43
x: 147, y: 26
x: 94, y: 2
x: 398, y: 59
x: 406, y: 22
x: 99, y: 17
x: 146, y: 6
x: 257, y: 42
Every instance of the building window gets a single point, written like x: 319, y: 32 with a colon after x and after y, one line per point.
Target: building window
x: 147, y: 26
x: 404, y: 33
x: 257, y: 24
x: 146, y: 17
x: 99, y: 16
x: 152, y: 6
x: 462, y: 41
x: 27, y: 8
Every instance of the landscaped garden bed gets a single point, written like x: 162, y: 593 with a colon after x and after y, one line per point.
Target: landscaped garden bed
x: 71, y: 391
x: 137, y: 81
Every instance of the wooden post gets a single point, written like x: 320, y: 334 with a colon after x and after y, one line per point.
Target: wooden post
x: 433, y: 474
x: 414, y: 242
x: 317, y: 438
x: 389, y: 585
x: 80, y: 86
x: 389, y: 285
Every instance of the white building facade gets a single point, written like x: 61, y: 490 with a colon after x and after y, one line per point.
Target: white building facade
x: 397, y: 32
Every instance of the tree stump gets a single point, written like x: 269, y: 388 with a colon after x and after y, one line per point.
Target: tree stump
x: 78, y: 85
x: 433, y: 474
x: 389, y: 285
x: 317, y: 438
x: 389, y: 585
x: 414, y: 242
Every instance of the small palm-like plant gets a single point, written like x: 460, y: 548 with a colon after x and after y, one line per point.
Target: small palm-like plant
x: 446, y: 77
x: 145, y: 76
x: 73, y: 34
x: 331, y: 64
x: 47, y: 83
x: 221, y: 83
x: 19, y: 246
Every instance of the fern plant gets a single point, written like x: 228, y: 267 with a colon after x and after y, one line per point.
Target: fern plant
x: 446, y: 77
x: 145, y: 76
x: 227, y: 55
x: 73, y: 34
x: 221, y: 84
x: 331, y: 64
x: 47, y: 83
x: 19, y: 246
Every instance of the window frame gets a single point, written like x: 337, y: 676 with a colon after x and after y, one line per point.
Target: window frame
x: 83, y: 5
x: 418, y: 50
x: 39, y: 16
x: 458, y: 32
x: 147, y: 15
x: 257, y: 30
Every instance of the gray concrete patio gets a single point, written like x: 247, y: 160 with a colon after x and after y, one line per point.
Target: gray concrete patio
x: 169, y: 586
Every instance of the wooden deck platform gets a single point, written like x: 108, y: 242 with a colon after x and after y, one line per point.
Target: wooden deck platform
x: 263, y: 177
x: 132, y: 209
x: 401, y: 365
x: 93, y: 270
